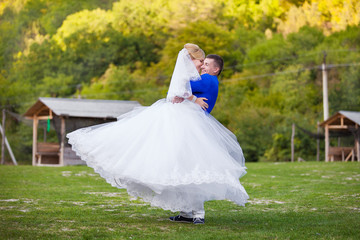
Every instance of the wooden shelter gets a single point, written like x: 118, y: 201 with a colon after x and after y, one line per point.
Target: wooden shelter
x: 343, y: 123
x: 67, y: 115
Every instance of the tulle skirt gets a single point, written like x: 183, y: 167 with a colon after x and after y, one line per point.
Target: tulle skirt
x: 174, y: 156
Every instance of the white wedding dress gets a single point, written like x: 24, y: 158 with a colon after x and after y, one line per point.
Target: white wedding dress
x: 174, y: 156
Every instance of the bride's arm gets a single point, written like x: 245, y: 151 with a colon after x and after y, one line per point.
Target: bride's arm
x: 200, y: 101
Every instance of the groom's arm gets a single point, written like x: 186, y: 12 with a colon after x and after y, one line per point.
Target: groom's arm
x: 201, y: 85
x: 197, y: 87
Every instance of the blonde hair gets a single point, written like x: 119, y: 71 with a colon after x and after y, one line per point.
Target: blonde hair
x: 195, y: 51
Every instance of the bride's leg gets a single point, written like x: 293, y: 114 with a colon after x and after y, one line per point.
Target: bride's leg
x: 186, y: 214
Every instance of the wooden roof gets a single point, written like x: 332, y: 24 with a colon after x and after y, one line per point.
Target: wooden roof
x: 343, y: 118
x: 87, y: 108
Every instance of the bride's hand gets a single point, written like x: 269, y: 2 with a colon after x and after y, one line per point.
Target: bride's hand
x: 202, y: 103
x: 177, y: 99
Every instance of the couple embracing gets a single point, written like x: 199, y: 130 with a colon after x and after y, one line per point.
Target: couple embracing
x: 172, y: 154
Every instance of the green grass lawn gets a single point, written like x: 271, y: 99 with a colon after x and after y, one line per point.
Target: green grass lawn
x: 287, y: 201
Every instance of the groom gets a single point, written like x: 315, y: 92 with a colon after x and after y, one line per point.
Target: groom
x: 208, y: 87
x: 205, y: 89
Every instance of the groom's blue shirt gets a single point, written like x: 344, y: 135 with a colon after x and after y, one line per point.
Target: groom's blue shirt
x: 207, y: 87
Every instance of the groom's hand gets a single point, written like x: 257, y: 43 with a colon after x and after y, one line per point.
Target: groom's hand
x: 202, y: 103
x: 177, y: 99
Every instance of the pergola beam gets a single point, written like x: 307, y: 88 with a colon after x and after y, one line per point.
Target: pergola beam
x: 338, y: 127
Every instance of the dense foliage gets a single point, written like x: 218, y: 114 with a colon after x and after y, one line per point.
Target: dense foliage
x: 127, y: 50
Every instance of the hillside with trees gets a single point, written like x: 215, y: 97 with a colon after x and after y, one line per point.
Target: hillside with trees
x: 126, y: 50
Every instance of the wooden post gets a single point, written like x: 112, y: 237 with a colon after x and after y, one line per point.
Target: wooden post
x: 325, y: 89
x: 318, y: 144
x: 292, y: 142
x: 35, y: 126
x: 327, y: 143
x: 3, y: 139
x: 357, y: 143
x: 62, y: 145
x: 7, y: 145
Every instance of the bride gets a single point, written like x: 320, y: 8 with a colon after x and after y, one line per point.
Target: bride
x: 172, y: 155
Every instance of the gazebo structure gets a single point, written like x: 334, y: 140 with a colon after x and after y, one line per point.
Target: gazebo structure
x: 343, y: 123
x: 67, y: 115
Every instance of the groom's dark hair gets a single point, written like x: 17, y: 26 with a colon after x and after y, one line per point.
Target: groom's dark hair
x: 218, y: 61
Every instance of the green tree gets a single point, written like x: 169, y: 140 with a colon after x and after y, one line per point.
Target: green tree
x: 116, y: 83
x: 306, y: 39
x: 295, y: 91
x: 55, y: 86
x: 268, y: 56
x: 346, y: 94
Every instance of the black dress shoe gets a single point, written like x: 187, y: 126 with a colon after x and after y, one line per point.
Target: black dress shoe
x: 179, y: 218
x: 199, y: 221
